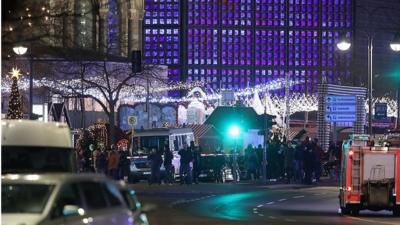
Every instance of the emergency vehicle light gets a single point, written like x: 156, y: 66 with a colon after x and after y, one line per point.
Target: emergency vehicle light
x: 379, y: 148
x: 351, y: 153
x: 359, y: 137
x: 348, y: 188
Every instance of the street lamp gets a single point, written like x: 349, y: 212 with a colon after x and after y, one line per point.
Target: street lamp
x: 395, y: 44
x: 344, y: 45
x: 234, y: 132
x: 21, y: 50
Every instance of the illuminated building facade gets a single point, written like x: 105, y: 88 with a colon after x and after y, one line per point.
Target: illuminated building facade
x: 234, y: 44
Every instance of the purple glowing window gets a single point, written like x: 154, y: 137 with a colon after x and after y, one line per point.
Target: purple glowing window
x: 304, y: 13
x: 303, y: 48
x: 203, y: 12
x: 237, y: 12
x: 173, y: 76
x: 271, y: 13
x: 203, y: 47
x: 161, y: 46
x: 336, y: 14
x: 161, y: 12
x: 236, y: 78
x: 270, y: 48
x: 209, y: 76
x: 236, y: 47
x: 113, y: 27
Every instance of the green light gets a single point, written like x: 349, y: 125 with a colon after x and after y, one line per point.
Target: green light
x: 234, y: 131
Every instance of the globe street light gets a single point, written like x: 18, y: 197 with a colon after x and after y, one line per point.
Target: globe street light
x: 395, y: 44
x: 343, y: 45
x: 21, y: 50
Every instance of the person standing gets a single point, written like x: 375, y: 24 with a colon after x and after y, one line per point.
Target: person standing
x: 168, y: 156
x: 309, y: 159
x: 318, y: 154
x: 124, y: 164
x: 113, y: 161
x: 196, y: 164
x: 289, y: 160
x: 156, y: 162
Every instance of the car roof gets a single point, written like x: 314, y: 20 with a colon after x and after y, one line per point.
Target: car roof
x: 51, y: 178
x: 35, y: 133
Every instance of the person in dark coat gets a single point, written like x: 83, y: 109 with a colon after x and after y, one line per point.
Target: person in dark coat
x: 156, y: 162
x: 168, y: 156
x: 309, y: 160
x: 184, y: 170
x: 219, y: 164
x: 124, y: 164
x: 196, y: 164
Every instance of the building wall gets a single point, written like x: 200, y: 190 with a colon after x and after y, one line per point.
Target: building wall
x: 235, y: 44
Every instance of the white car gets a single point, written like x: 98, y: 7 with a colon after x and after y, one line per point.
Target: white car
x: 67, y: 199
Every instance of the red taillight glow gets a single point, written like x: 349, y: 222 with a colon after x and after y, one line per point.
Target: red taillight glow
x: 351, y: 153
x: 348, y: 188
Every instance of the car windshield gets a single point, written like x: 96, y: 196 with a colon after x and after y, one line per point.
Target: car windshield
x: 24, y: 198
x: 23, y: 159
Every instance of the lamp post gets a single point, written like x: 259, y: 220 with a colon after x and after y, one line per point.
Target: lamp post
x: 344, y: 45
x: 234, y: 132
x: 395, y: 46
x: 21, y: 50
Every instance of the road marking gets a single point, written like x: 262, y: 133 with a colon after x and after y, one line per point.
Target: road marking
x: 261, y: 214
x: 272, y: 217
x: 290, y: 220
x: 255, y: 209
x: 281, y: 200
x: 270, y: 203
x: 371, y: 221
x: 259, y: 206
x: 299, y: 196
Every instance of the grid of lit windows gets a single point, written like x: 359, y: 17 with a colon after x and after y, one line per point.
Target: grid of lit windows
x: 270, y: 13
x: 203, y: 46
x: 303, y: 48
x: 160, y: 12
x: 270, y: 48
x: 303, y: 13
x: 161, y: 46
x: 209, y: 76
x: 336, y: 13
x: 236, y: 78
x: 240, y: 43
x: 236, y: 47
x: 173, y: 75
x: 203, y: 12
x: 237, y: 12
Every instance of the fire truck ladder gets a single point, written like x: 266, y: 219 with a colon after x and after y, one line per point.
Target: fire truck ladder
x: 356, y: 170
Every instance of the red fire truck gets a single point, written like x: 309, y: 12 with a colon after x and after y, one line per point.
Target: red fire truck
x: 370, y: 176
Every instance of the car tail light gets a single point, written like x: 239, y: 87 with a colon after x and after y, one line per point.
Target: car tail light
x: 348, y: 188
x: 351, y: 153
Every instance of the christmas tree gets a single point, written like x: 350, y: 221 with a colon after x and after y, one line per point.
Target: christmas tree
x: 15, y: 105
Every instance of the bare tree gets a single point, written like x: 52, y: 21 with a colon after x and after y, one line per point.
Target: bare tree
x: 105, y: 82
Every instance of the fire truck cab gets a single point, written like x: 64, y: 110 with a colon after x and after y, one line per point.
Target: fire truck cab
x: 370, y: 176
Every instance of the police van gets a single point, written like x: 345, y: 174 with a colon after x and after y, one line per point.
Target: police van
x: 146, y: 140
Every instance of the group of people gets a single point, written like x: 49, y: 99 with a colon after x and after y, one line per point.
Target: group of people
x: 189, y: 164
x: 293, y: 161
x: 112, y: 162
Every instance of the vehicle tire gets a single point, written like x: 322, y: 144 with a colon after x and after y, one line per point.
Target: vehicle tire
x: 396, y: 211
x: 344, y: 211
x: 355, y: 212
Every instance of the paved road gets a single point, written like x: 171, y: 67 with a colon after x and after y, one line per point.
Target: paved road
x: 249, y: 204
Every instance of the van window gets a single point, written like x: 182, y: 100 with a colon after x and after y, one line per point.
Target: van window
x: 93, y: 194
x: 28, y: 159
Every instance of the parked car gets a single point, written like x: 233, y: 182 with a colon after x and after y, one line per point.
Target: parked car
x: 62, y: 199
x: 35, y: 147
x: 138, y: 210
x: 140, y: 168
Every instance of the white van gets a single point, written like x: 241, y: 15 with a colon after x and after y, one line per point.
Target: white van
x: 29, y: 146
